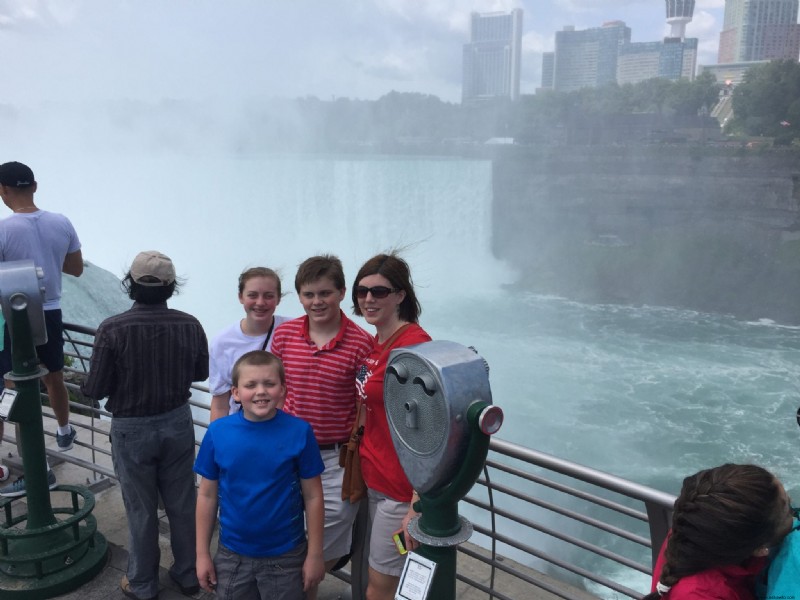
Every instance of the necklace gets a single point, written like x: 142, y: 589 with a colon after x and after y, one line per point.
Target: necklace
x: 25, y: 209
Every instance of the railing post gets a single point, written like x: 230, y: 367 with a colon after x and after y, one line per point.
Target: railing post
x: 660, y: 520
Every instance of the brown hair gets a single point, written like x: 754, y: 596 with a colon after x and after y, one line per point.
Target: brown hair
x: 721, y: 517
x: 396, y: 270
x: 248, y: 274
x: 315, y: 268
x: 257, y: 358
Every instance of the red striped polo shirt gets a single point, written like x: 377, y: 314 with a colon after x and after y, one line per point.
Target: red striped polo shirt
x: 321, y: 382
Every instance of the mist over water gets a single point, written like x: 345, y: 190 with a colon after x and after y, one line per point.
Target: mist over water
x: 650, y: 394
x: 216, y: 216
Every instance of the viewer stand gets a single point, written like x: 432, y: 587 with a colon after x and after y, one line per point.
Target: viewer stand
x: 41, y: 556
x: 440, y: 413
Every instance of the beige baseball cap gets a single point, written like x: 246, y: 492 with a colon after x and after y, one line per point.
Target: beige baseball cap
x: 152, y: 263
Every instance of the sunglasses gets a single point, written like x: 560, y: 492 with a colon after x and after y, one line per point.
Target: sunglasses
x: 378, y: 292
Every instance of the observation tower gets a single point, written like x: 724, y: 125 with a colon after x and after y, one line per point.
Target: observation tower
x: 679, y: 13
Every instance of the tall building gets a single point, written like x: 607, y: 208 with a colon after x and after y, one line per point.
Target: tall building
x: 548, y: 67
x: 679, y: 59
x: 672, y: 59
x: 492, y: 58
x: 594, y: 57
x: 588, y: 58
x: 759, y: 30
x: 679, y: 13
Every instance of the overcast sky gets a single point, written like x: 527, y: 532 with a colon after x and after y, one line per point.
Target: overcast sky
x: 79, y: 50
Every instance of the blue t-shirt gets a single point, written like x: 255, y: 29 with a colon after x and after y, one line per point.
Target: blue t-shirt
x: 259, y: 466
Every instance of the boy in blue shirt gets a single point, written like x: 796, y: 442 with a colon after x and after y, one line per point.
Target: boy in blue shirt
x: 261, y: 467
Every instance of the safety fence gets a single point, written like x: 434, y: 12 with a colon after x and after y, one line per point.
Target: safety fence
x: 544, y: 527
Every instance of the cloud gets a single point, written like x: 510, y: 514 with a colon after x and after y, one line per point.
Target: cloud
x: 706, y: 4
x: 593, y: 6
x: 26, y: 14
x: 533, y: 42
x: 452, y: 14
x: 16, y: 13
x: 705, y: 27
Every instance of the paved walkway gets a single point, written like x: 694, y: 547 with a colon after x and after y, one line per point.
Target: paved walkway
x: 110, y: 515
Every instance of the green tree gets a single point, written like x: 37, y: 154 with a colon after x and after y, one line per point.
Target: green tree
x: 651, y: 95
x: 766, y: 102
x: 689, y: 97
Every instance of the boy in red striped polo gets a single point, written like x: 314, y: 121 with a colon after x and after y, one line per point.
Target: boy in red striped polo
x: 321, y: 353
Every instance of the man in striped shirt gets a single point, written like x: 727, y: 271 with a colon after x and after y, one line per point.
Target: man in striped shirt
x: 144, y: 361
x: 321, y: 353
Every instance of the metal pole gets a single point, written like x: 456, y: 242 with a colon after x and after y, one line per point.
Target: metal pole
x: 27, y: 412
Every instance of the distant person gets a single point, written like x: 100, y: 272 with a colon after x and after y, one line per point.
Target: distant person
x: 50, y: 241
x: 259, y: 294
x: 725, y: 521
x: 321, y: 353
x: 384, y: 295
x: 260, y: 468
x: 144, y: 361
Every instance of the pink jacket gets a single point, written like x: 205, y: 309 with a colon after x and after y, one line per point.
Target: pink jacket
x: 731, y: 582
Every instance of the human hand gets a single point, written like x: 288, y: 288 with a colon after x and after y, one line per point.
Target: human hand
x: 411, y: 543
x: 313, y: 572
x: 206, y: 574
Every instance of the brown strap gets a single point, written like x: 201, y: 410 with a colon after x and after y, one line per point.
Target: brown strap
x: 387, y: 346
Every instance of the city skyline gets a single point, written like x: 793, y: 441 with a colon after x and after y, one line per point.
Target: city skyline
x: 88, y: 51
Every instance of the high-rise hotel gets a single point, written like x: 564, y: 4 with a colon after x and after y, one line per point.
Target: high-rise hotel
x: 492, y: 58
x: 588, y: 57
x: 759, y: 30
x: 673, y: 58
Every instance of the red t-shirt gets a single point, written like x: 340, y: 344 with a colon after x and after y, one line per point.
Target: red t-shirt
x: 379, y: 463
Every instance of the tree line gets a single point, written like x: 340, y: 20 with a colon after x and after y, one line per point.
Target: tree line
x: 415, y: 118
x: 767, y: 103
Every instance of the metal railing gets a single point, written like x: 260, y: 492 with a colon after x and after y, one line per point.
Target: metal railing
x: 545, y: 527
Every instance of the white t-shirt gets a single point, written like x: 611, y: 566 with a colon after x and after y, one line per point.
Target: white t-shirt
x: 226, y: 348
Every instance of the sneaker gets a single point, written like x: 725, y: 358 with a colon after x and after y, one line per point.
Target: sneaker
x: 186, y: 590
x: 125, y: 586
x: 65, y: 441
x: 13, y: 490
x: 5, y: 472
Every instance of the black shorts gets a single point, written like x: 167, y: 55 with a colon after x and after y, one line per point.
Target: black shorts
x: 51, y: 354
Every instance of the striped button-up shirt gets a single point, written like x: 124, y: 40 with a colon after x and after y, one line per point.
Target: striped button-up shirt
x: 145, y: 360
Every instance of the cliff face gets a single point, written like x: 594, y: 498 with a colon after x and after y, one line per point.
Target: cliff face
x: 699, y: 228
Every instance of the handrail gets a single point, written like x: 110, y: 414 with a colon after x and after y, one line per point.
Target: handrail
x: 540, y: 520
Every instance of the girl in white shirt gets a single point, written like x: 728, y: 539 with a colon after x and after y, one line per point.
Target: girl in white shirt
x: 259, y: 294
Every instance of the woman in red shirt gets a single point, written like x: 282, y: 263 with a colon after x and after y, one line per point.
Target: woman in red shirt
x: 384, y: 295
x: 725, y: 522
